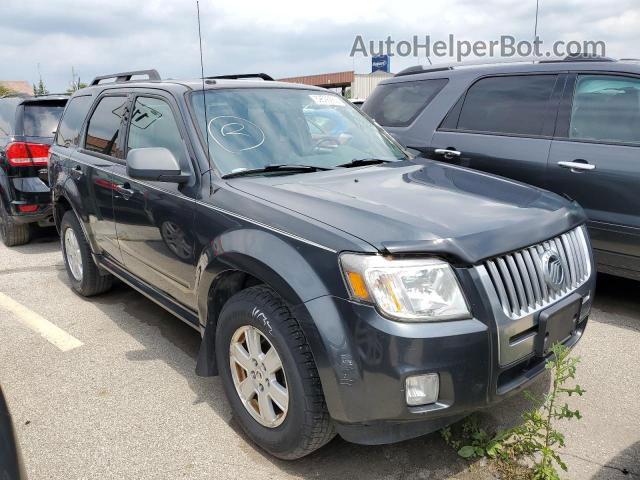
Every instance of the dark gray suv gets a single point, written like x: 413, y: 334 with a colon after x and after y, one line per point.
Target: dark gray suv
x: 571, y: 126
x: 338, y: 284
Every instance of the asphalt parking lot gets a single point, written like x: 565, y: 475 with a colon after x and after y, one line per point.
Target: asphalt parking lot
x: 117, y: 396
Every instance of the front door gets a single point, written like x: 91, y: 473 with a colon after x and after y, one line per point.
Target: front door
x: 503, y: 125
x: 596, y: 161
x: 154, y: 220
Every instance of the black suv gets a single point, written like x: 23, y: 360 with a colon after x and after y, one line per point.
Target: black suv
x: 27, y: 127
x: 337, y: 284
x: 571, y: 126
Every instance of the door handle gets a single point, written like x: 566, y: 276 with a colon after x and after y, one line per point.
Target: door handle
x: 124, y: 192
x: 577, y: 166
x: 447, y: 153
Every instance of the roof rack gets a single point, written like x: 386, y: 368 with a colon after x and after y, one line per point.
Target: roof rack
x: 263, y: 76
x: 152, y: 75
x: 580, y: 58
x: 421, y: 69
x: 442, y: 67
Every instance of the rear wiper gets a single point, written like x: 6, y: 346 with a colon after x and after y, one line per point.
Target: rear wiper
x: 359, y: 162
x: 284, y: 167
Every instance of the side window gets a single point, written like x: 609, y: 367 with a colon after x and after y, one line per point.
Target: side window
x: 153, y: 125
x: 606, y: 109
x: 69, y: 130
x: 104, y: 125
x: 398, y: 104
x: 508, y: 105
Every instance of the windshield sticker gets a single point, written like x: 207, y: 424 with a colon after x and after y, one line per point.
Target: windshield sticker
x: 235, y: 134
x: 327, y: 100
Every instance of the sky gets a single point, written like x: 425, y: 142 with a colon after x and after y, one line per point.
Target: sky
x: 282, y: 38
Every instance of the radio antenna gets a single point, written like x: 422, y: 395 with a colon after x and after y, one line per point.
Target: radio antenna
x: 204, y: 101
x: 535, y: 28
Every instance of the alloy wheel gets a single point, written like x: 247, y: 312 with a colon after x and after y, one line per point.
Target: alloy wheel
x: 73, y: 254
x: 259, y: 377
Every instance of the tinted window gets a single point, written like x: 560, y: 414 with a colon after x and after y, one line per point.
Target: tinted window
x: 398, y: 104
x: 512, y: 105
x: 607, y: 109
x: 8, y: 114
x: 69, y: 129
x: 104, y: 124
x: 153, y: 125
x: 41, y: 119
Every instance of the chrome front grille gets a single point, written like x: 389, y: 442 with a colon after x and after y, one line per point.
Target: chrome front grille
x: 522, y: 281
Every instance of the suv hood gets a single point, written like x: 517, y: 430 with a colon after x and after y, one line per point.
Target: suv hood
x: 432, y: 207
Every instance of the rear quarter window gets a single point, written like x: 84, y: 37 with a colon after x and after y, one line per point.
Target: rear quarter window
x: 40, y: 119
x: 398, y: 104
x: 72, y: 120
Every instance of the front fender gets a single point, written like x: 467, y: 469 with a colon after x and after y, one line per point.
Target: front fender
x: 282, y: 263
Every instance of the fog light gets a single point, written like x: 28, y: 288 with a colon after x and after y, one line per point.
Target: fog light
x: 422, y: 389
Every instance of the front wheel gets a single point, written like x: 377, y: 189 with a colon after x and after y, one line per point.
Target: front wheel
x: 269, y: 375
x: 84, y: 275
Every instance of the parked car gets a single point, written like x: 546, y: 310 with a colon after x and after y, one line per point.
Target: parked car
x: 350, y: 290
x: 27, y: 127
x: 571, y: 126
x: 11, y: 464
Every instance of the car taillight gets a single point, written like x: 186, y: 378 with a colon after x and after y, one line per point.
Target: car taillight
x: 21, y: 154
x: 27, y: 208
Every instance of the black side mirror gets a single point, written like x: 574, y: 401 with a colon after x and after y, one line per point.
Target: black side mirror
x: 154, y: 163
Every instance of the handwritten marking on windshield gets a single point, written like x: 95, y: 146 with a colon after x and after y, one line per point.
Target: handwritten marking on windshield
x: 228, y: 129
x: 235, y: 134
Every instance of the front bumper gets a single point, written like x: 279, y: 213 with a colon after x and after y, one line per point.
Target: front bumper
x: 364, y: 358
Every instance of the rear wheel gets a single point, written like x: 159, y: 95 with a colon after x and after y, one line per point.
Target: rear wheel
x: 269, y: 375
x: 85, y: 277
x: 13, y: 234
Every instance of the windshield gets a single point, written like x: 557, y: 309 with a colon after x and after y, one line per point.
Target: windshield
x: 41, y: 119
x: 253, y: 128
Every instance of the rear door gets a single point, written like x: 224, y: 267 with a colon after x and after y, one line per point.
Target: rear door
x: 595, y: 159
x: 155, y: 219
x: 91, y: 169
x: 503, y: 125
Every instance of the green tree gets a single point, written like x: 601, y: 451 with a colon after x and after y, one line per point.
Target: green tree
x: 75, y: 86
x: 41, y: 88
x: 4, y: 91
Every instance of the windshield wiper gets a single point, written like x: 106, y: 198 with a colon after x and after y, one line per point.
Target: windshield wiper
x: 359, y: 162
x: 284, y: 167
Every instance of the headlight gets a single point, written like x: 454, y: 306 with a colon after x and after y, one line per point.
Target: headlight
x: 410, y: 290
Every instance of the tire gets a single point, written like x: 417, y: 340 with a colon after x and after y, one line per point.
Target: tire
x: 90, y: 281
x: 13, y: 234
x: 306, y: 426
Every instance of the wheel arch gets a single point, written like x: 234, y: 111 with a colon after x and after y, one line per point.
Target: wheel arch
x: 66, y: 196
x: 243, y: 258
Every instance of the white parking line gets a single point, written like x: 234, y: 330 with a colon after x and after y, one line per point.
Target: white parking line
x: 40, y: 325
